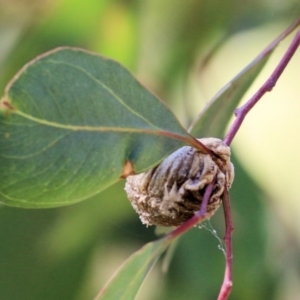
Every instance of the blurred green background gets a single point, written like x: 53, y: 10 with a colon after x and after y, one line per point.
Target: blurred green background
x: 70, y: 252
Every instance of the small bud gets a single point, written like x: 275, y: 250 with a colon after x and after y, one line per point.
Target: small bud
x: 172, y: 192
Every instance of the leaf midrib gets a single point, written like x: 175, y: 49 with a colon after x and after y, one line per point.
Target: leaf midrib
x: 83, y: 128
x: 157, y: 131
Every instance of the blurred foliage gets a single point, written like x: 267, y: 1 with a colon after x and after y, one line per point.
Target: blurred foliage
x: 70, y: 252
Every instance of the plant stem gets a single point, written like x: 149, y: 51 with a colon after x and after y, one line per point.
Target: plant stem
x: 227, y: 281
x: 199, y: 216
x: 240, y: 114
x: 242, y: 111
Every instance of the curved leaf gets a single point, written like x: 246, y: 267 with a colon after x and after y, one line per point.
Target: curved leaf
x: 213, y: 119
x: 72, y: 123
x: 125, y: 284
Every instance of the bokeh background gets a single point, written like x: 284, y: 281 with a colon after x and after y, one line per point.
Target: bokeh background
x: 69, y: 253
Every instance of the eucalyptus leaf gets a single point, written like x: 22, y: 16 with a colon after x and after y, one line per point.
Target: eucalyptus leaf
x: 70, y: 122
x: 126, y: 282
x: 213, y: 119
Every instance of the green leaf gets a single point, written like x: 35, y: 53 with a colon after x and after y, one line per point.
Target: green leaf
x: 69, y: 123
x: 126, y: 282
x: 213, y: 119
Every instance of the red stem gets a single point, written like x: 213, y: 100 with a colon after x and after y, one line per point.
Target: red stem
x: 199, y: 216
x: 240, y: 115
x: 242, y: 111
x: 227, y: 281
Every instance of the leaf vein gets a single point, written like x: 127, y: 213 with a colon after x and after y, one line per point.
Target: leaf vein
x: 130, y: 109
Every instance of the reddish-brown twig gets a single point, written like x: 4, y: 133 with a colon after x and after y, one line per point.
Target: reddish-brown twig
x: 240, y: 114
x: 227, y: 282
x: 242, y: 111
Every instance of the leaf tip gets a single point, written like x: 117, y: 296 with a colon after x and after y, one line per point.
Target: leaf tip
x: 127, y: 169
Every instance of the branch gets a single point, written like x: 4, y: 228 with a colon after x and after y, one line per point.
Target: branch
x: 240, y: 114
x: 242, y: 111
x: 227, y: 281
